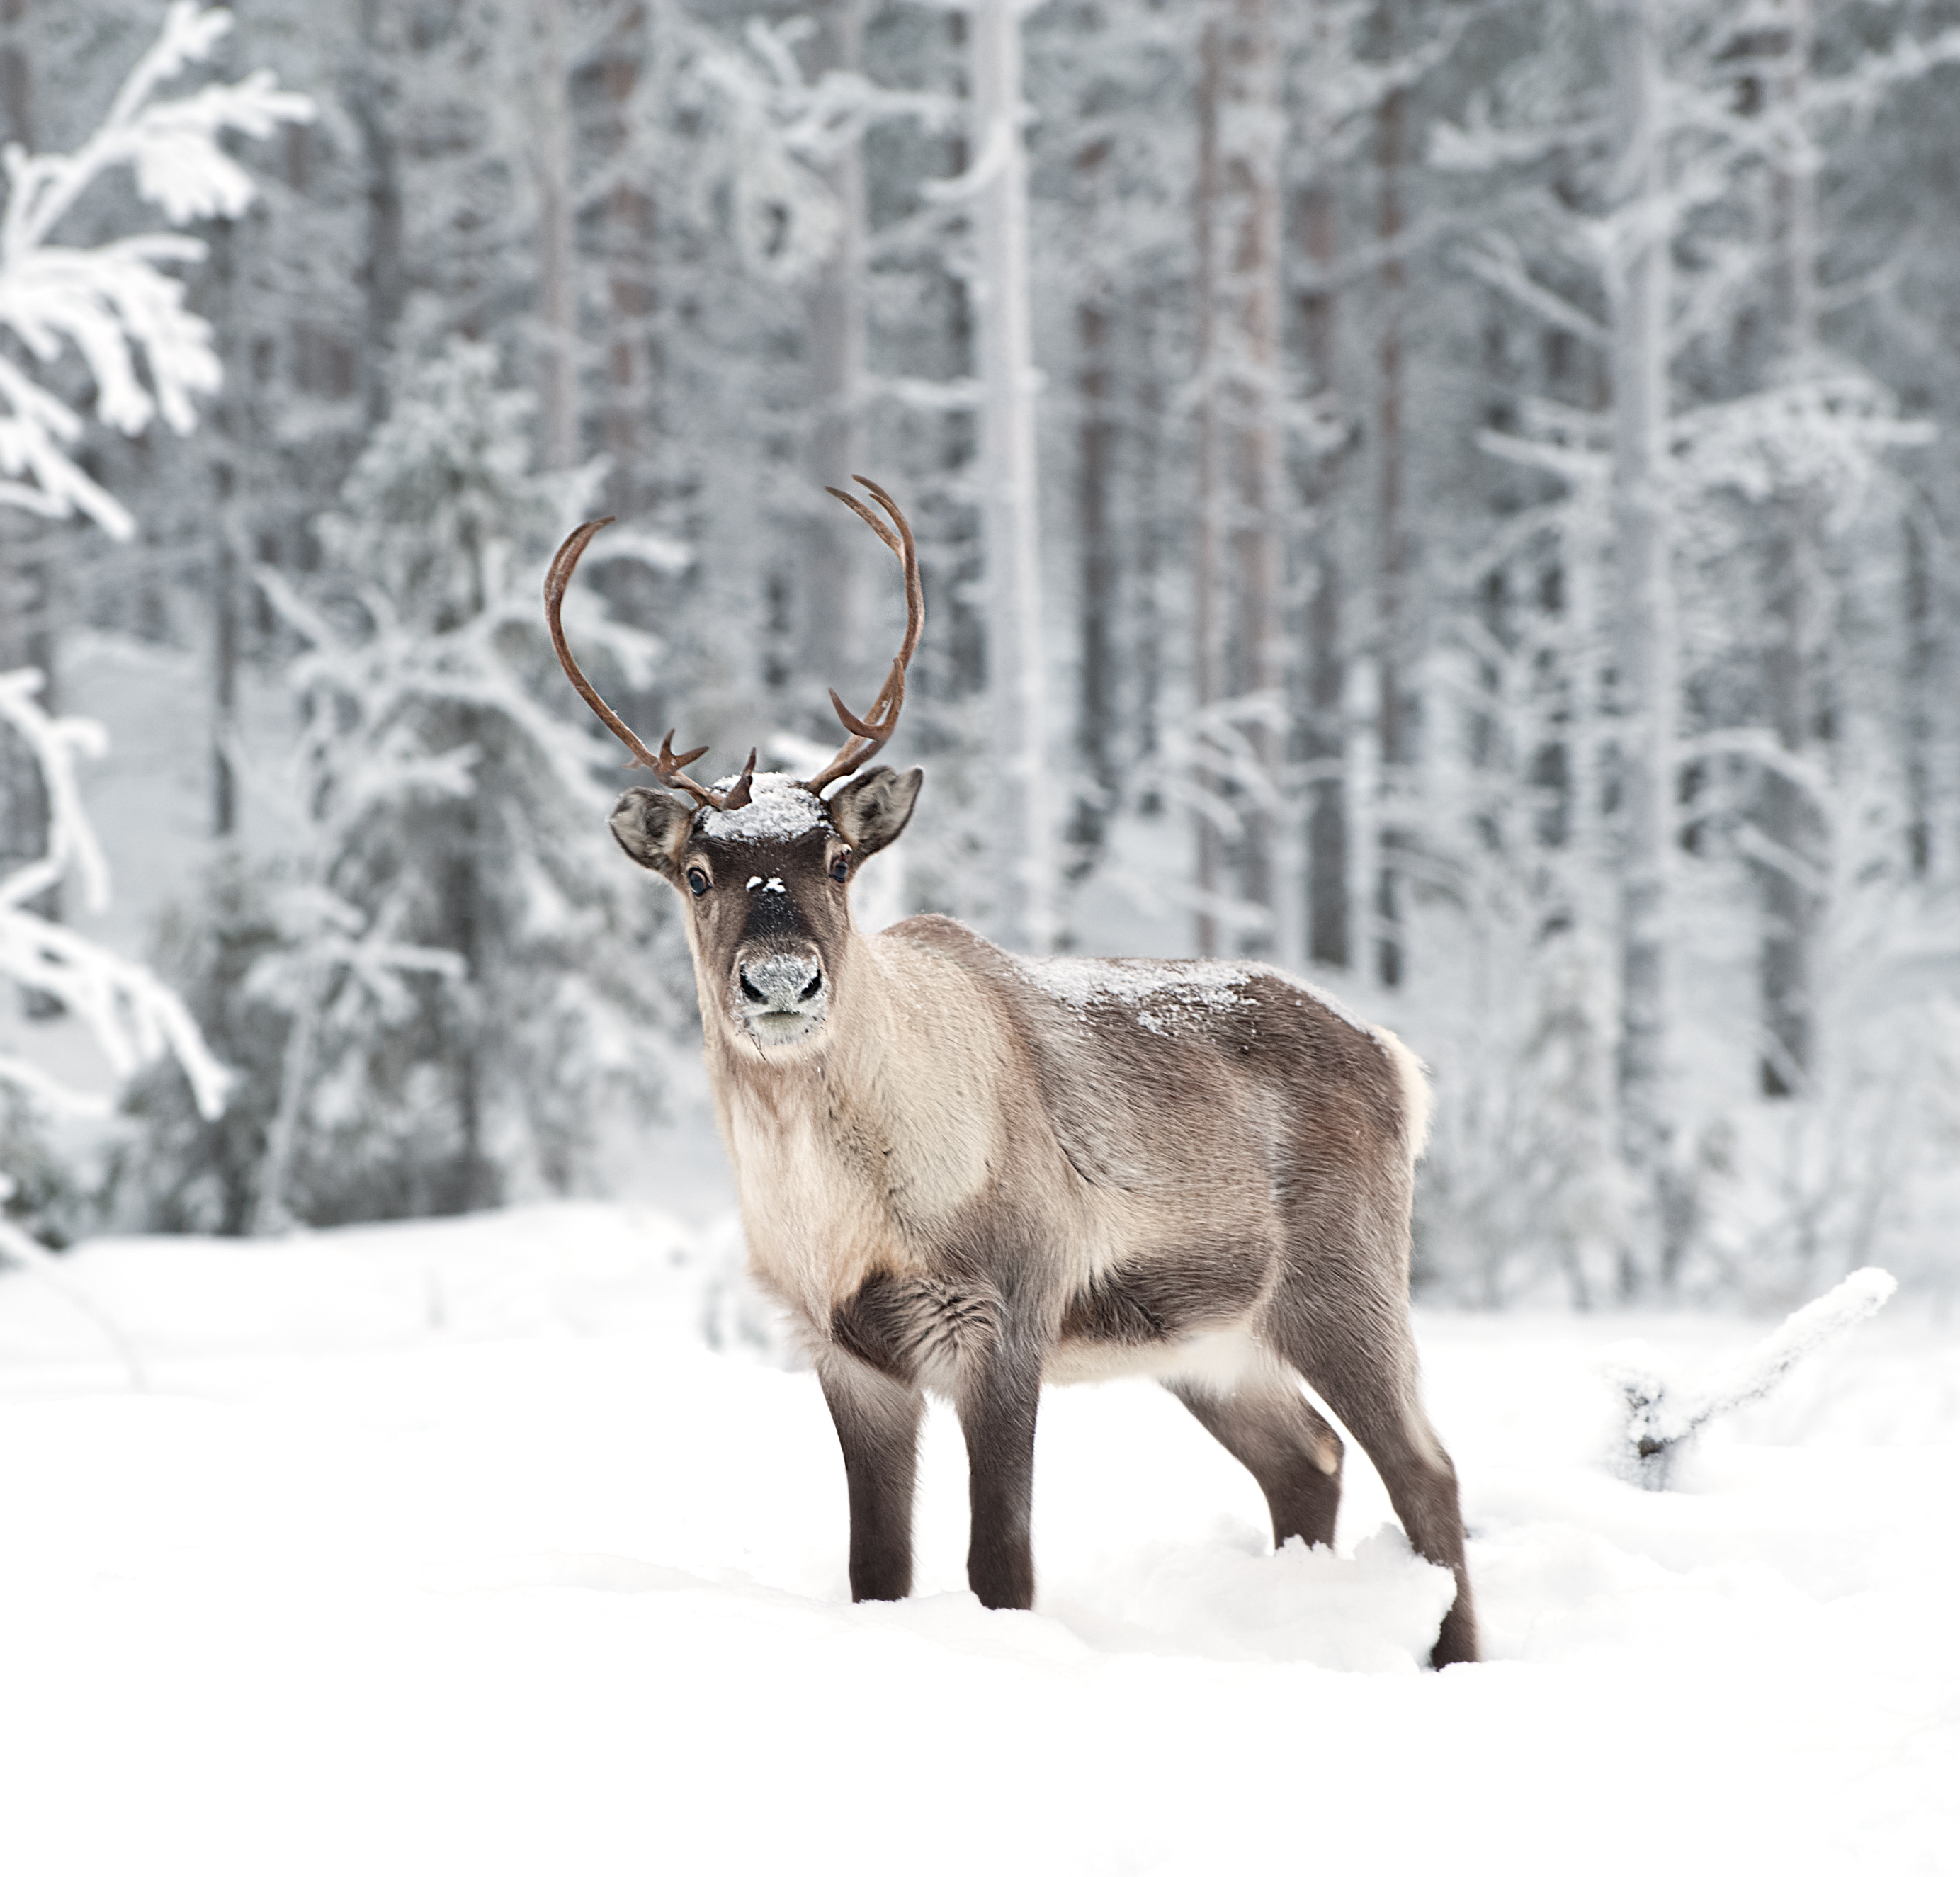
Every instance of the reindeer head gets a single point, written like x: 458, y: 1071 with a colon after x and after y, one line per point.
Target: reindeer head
x: 765, y: 862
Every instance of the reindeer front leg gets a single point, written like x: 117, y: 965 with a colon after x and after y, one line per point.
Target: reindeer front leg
x: 999, y: 1392
x: 877, y: 1421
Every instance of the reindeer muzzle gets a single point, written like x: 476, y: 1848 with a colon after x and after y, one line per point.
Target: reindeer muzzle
x: 783, y: 994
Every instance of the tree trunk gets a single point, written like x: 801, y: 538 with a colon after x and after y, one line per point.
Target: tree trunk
x: 271, y: 1209
x: 1924, y: 856
x: 1317, y: 212
x: 1643, y: 646
x: 1095, y: 449
x: 1149, y: 447
x: 17, y: 90
x: 629, y: 262
x: 1096, y: 571
x: 557, y: 272
x: 837, y: 338
x: 1790, y: 903
x: 1361, y: 766
x: 382, y: 273
x: 1236, y: 649
x: 1023, y: 914
x: 229, y: 423
x: 22, y: 577
x: 1391, y: 566
x: 1207, y: 674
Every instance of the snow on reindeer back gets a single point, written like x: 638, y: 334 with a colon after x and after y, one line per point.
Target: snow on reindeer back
x: 1162, y: 991
x: 779, y: 809
x: 1326, y: 999
x: 1164, y: 996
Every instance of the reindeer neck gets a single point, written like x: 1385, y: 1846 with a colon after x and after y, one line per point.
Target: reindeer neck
x: 914, y: 1073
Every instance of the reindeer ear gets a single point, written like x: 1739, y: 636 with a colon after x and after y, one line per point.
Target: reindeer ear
x: 652, y: 826
x: 871, y: 811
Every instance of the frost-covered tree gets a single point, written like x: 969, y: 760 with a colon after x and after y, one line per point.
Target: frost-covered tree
x: 102, y: 328
x: 131, y: 1019
x: 1017, y: 668
x: 1538, y: 425
x: 458, y: 963
x: 467, y: 975
x: 1648, y: 649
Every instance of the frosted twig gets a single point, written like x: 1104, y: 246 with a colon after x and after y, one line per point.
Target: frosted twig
x: 1661, y: 1415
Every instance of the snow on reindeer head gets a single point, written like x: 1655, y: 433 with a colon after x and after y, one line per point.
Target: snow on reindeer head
x: 765, y: 861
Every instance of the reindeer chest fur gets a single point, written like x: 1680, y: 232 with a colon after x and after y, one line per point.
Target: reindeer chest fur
x: 862, y: 1166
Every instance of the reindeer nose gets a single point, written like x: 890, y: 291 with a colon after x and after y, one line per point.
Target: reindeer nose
x: 782, y: 982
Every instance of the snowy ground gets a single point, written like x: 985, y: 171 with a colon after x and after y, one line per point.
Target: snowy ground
x: 457, y: 1548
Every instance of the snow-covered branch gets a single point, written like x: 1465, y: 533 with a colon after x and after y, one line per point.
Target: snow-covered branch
x: 1662, y: 1414
x: 146, y: 353
x: 133, y: 1019
x: 1497, y: 262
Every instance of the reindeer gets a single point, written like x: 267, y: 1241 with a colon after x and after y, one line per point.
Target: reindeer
x: 970, y: 1173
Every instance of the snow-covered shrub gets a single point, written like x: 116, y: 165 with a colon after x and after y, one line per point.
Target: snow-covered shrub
x: 181, y: 1170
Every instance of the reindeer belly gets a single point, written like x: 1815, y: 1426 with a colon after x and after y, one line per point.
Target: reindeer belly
x: 1176, y: 1314
x: 1219, y: 1361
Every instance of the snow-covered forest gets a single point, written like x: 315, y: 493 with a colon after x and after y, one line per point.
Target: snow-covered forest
x: 1457, y: 497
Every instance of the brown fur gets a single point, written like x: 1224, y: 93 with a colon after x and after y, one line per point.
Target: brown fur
x: 955, y: 1179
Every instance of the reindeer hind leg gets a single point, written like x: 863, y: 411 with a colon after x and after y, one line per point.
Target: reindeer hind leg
x: 1354, y: 1344
x: 1274, y: 1433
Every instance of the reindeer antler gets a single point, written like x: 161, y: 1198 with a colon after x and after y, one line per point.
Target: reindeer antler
x: 870, y: 734
x: 666, y: 766
x: 867, y: 734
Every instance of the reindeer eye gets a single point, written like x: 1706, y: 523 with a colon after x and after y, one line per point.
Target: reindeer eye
x: 840, y: 868
x: 697, y: 882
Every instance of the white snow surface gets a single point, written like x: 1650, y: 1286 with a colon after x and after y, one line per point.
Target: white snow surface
x: 457, y: 1547
x: 779, y: 809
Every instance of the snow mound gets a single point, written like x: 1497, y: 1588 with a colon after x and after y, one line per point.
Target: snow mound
x: 779, y: 809
x: 1375, y: 1613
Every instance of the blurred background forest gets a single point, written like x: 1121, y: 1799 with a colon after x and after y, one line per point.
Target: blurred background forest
x: 1457, y: 497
